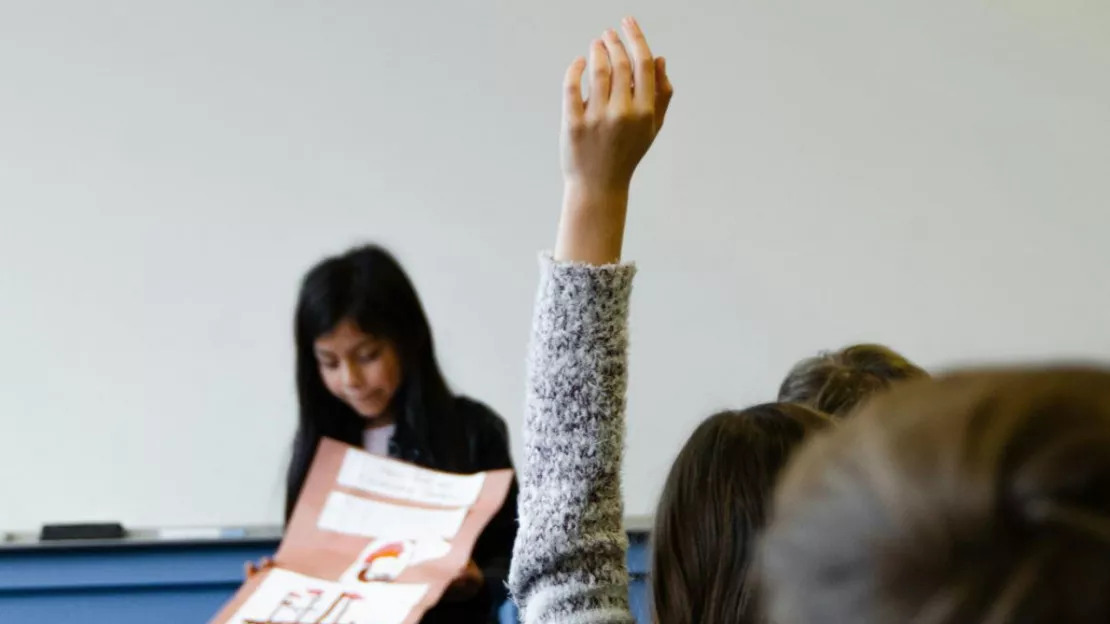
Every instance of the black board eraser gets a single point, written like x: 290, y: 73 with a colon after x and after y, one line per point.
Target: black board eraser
x: 107, y: 530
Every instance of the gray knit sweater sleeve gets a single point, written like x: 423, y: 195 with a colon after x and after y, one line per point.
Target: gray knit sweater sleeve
x: 569, y: 561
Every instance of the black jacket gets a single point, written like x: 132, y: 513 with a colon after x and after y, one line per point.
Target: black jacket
x: 487, y: 448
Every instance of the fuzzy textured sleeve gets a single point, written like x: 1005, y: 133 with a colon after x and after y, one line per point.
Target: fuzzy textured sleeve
x: 569, y: 561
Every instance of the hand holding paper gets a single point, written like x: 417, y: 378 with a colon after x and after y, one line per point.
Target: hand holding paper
x: 371, y: 531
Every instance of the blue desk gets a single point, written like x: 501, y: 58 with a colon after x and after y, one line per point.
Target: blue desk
x: 139, y: 581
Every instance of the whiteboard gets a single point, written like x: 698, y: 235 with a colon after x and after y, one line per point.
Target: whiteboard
x: 929, y: 174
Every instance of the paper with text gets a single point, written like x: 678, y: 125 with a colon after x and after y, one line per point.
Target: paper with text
x: 371, y: 540
x: 285, y: 597
x: 344, y: 513
x: 370, y: 473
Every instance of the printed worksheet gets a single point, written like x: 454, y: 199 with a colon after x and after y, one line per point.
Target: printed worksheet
x: 372, y: 540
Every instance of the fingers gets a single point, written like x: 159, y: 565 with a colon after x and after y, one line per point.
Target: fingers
x: 574, y: 108
x: 621, y: 73
x: 251, y: 568
x: 600, y: 74
x: 663, y: 91
x: 643, y: 65
x: 620, y: 90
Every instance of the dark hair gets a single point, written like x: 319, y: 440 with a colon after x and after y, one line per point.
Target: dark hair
x: 837, y: 382
x: 981, y: 497
x: 367, y: 285
x: 713, y: 503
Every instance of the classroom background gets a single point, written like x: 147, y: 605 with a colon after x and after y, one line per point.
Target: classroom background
x: 930, y: 175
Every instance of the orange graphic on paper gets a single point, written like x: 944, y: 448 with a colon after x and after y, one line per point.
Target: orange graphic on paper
x: 386, y: 563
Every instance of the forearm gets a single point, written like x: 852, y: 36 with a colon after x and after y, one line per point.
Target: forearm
x: 570, y: 551
x: 569, y: 557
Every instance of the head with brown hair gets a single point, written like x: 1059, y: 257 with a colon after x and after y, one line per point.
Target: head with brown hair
x: 837, y: 382
x: 980, y: 497
x: 713, y: 503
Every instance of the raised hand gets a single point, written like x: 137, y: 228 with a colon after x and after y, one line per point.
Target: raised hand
x: 604, y: 138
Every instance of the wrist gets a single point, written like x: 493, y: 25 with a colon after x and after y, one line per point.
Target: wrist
x: 591, y: 228
x: 593, y: 196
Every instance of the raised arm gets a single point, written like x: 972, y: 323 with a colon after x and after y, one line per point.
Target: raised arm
x: 569, y: 557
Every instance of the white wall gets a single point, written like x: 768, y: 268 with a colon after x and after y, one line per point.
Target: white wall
x: 933, y: 174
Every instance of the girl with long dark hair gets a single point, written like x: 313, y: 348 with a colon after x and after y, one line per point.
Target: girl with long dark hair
x: 367, y: 375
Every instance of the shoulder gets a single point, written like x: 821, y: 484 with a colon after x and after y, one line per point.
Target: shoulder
x: 487, y: 435
x: 479, y: 417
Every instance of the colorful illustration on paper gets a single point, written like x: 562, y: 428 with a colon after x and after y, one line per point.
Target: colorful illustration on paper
x: 385, y: 560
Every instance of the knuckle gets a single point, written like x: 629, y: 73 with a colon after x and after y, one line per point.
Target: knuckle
x: 576, y: 128
x: 627, y: 116
x: 595, y: 120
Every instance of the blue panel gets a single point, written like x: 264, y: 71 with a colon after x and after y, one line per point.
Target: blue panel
x: 638, y: 597
x: 639, y: 567
x: 508, y: 613
x: 126, y: 567
x: 639, y: 554
x: 123, y: 585
x: 165, y: 583
x: 167, y: 605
